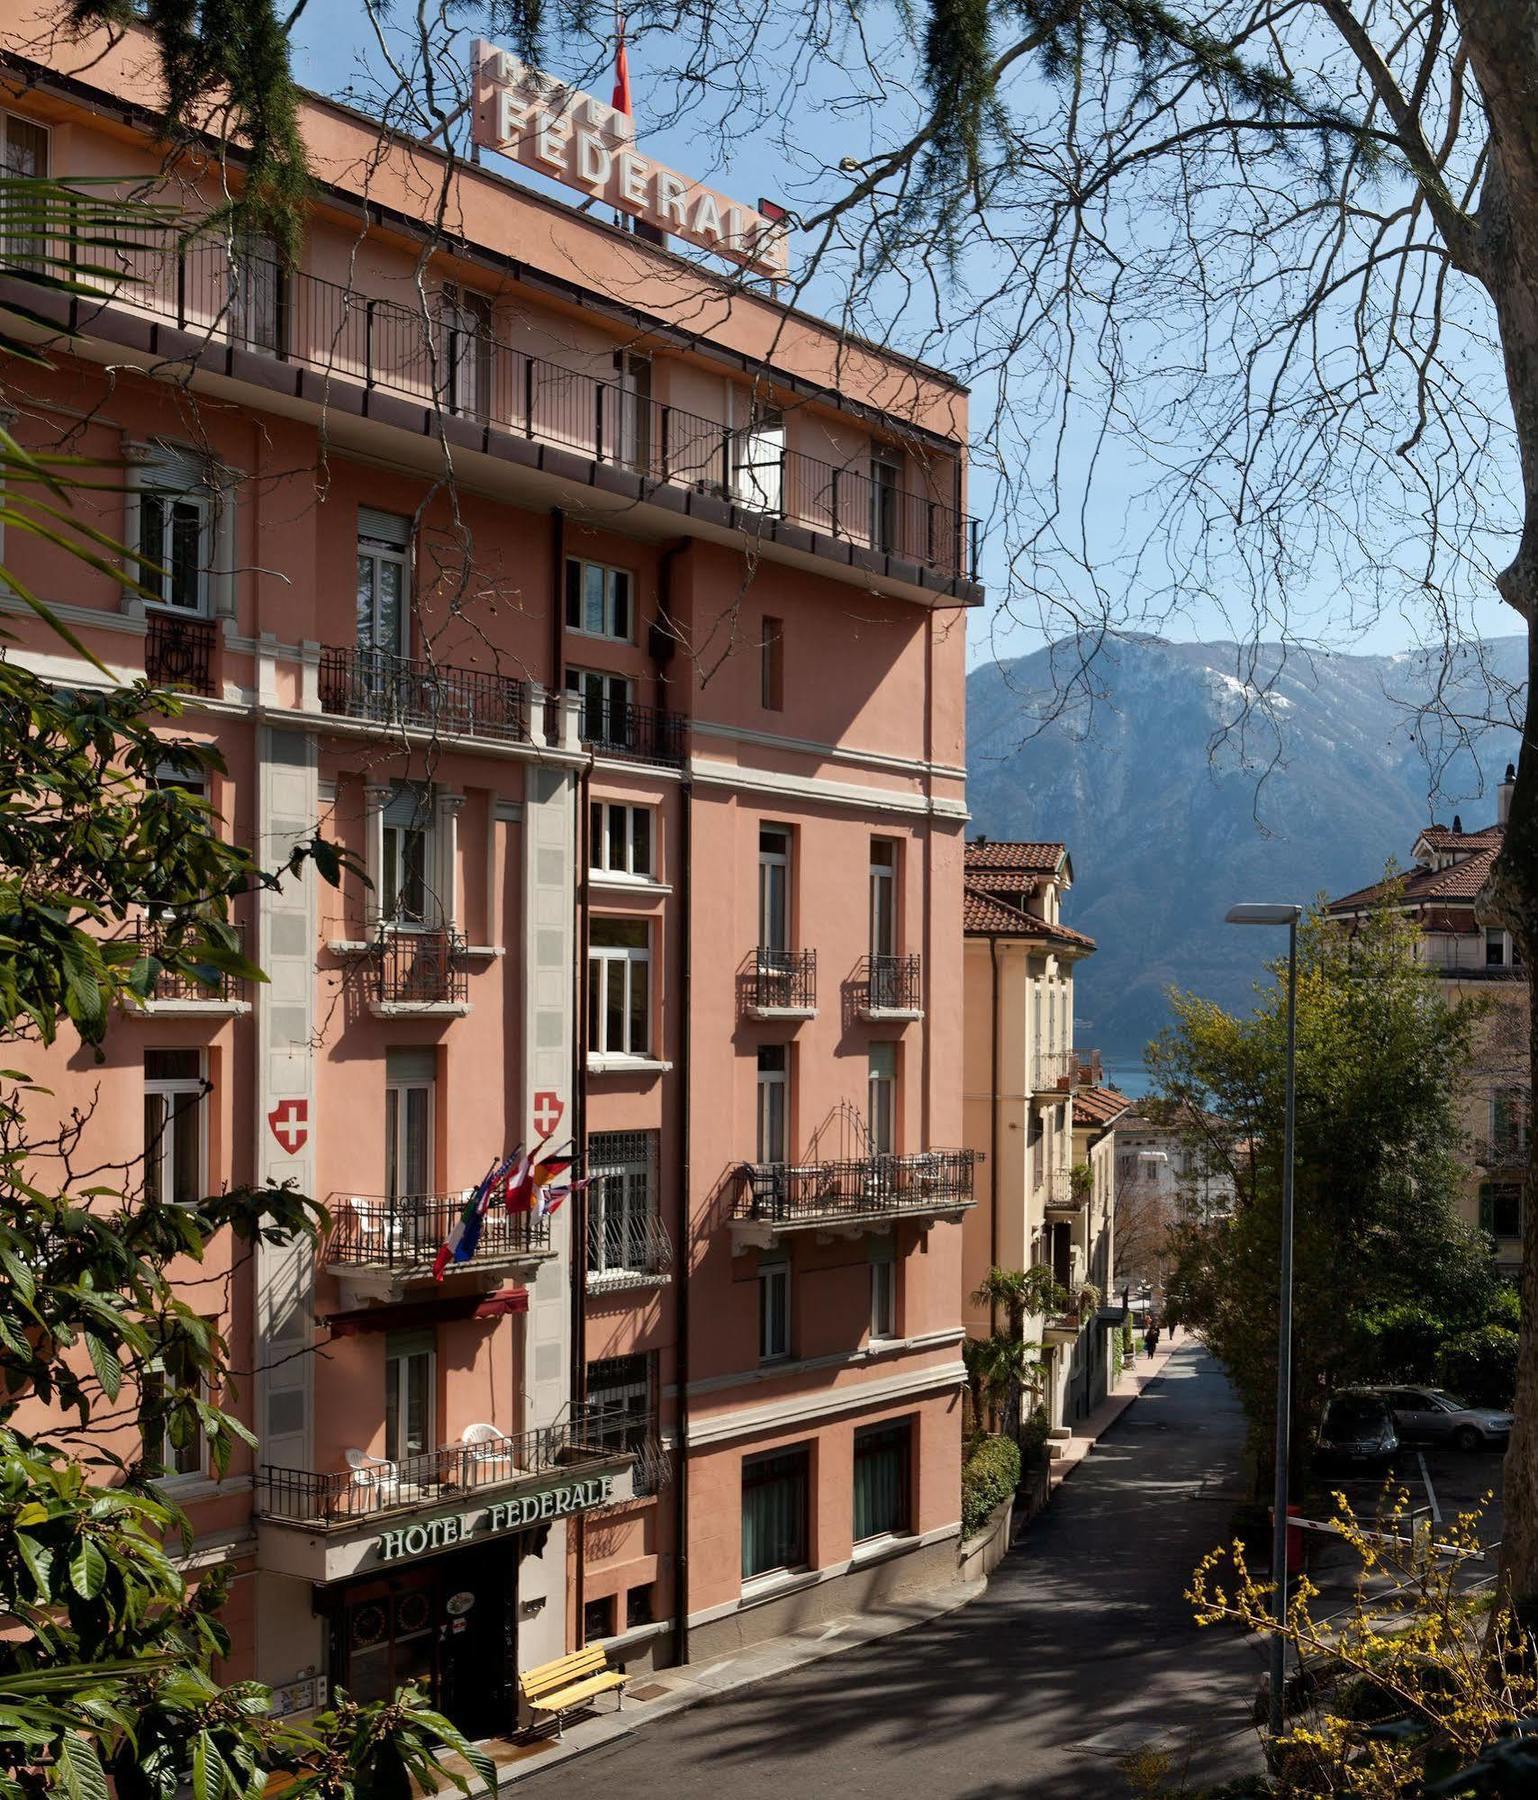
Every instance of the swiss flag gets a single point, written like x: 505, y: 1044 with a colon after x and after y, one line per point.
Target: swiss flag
x: 621, y: 100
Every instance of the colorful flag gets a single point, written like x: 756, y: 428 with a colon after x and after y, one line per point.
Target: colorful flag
x: 518, y: 1188
x: 550, y: 1198
x: 460, y: 1244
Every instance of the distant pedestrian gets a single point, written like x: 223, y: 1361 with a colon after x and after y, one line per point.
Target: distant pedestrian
x: 1171, y: 1324
x: 1151, y: 1339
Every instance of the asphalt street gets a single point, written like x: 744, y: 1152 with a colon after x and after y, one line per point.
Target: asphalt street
x: 1081, y: 1650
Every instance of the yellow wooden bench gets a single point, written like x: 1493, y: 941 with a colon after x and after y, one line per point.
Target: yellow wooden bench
x: 562, y: 1686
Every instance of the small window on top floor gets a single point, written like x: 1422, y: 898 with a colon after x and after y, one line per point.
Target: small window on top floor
x: 23, y: 156
x: 772, y: 665
x: 599, y: 601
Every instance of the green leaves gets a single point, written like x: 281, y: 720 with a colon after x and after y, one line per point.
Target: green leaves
x: 88, y: 1570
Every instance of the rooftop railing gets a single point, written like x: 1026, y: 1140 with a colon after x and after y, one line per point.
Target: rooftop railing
x: 406, y: 1232
x: 445, y: 358
x: 805, y: 1193
x: 400, y: 691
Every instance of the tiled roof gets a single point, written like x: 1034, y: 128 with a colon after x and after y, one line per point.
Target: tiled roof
x: 988, y: 916
x: 1098, y: 1106
x: 1043, y: 858
x: 1462, y: 881
x: 1443, y: 837
x: 1001, y: 881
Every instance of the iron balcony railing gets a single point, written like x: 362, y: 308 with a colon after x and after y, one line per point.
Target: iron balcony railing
x: 443, y: 359
x: 795, y: 1193
x: 894, y: 983
x: 179, y: 651
x: 1452, y: 971
x: 1090, y: 1071
x: 410, y: 966
x: 401, y: 691
x: 1505, y: 1150
x: 331, y: 1500
x: 626, y: 1249
x: 377, y: 1232
x: 785, y: 980
x: 1056, y: 1071
x: 635, y: 733
x: 171, y: 984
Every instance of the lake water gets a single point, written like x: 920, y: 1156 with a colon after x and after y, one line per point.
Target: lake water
x: 1130, y: 1078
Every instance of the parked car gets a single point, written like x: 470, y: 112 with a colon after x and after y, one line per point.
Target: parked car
x: 1434, y: 1416
x: 1357, y: 1428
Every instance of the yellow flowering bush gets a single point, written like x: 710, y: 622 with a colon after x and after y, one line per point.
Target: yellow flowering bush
x: 1418, y: 1674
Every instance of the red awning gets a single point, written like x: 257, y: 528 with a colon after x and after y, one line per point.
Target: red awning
x: 406, y: 1313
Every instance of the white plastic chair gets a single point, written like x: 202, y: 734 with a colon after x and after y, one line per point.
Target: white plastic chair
x: 374, y: 1474
x: 379, y: 1232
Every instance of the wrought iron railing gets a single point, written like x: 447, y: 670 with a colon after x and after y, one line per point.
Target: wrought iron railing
x: 403, y: 691
x: 381, y: 343
x: 1505, y: 1150
x: 179, y: 651
x: 416, y: 967
x: 375, y: 1231
x: 1452, y: 971
x: 635, y: 733
x: 1055, y: 1071
x: 894, y: 983
x: 626, y: 1249
x: 376, y: 1488
x: 790, y: 1193
x: 173, y: 984
x: 784, y: 980
x: 1091, y: 1070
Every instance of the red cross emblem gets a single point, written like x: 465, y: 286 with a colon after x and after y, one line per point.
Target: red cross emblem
x: 290, y: 1123
x: 548, y: 1110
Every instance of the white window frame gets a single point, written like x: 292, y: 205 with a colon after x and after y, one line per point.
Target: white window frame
x: 628, y: 957
x: 759, y: 460
x: 609, y: 600
x: 598, y: 840
x: 606, y: 690
x: 257, y: 308
x: 883, y: 899
x: 774, y: 874
x: 633, y: 372
x: 622, y: 1185
x: 398, y: 1090
x: 155, y: 1374
x: 772, y: 1274
x: 397, y: 557
x: 192, y: 1090
x: 213, y: 494
x: 772, y: 1102
x: 409, y: 812
x: 883, y: 1291
x: 881, y: 1098
x: 26, y: 251
x: 883, y: 532
x: 402, y: 1356
x: 465, y: 317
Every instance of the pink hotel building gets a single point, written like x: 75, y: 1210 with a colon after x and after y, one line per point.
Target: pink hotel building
x: 613, y: 615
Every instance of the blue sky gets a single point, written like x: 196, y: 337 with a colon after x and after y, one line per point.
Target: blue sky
x: 331, y: 47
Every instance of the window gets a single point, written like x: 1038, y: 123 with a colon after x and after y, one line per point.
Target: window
x: 182, y: 1449
x: 884, y: 481
x: 619, y: 988
x: 619, y: 1402
x: 465, y: 350
x: 772, y: 666
x: 173, y: 1127
x: 881, y: 1110
x: 405, y: 895
x: 598, y: 1619
x: 24, y: 155
x: 175, y: 528
x: 639, y: 1605
x: 598, y: 601
x: 408, y: 1123
x: 1509, y: 1124
x: 883, y: 1289
x: 774, y: 1497
x: 410, y: 1379
x: 621, y: 1205
x: 258, y: 300
x: 773, y: 1098
x: 1495, y: 947
x: 759, y: 477
x: 384, y: 542
x: 1500, y: 1208
x: 620, y: 839
x: 633, y: 396
x: 774, y: 889
x: 773, y: 1310
x: 883, y: 897
x: 607, y: 707
x: 882, y: 1459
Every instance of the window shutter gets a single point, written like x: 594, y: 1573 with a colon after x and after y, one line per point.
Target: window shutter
x: 410, y: 1064
x: 573, y: 593
x: 174, y: 469
x: 389, y: 528
x: 622, y: 604
x: 1486, y: 1208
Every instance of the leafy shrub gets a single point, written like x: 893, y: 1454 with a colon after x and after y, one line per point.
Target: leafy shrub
x: 1033, y: 1438
x: 988, y: 1477
x: 1506, y: 1309
x: 1481, y: 1366
x: 1402, y: 1343
x: 1118, y: 1357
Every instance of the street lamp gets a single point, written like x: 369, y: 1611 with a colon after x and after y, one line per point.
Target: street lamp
x: 1288, y: 914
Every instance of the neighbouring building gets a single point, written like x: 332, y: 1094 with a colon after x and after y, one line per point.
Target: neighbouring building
x: 1160, y: 1176
x: 1044, y: 1199
x: 1444, y: 892
x: 610, y: 613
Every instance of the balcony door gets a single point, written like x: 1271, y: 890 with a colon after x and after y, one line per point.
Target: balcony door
x: 258, y: 297
x: 409, y: 1147
x: 773, y: 1103
x: 465, y: 350
x: 881, y: 1112
x: 382, y: 614
x: 773, y: 910
x: 411, y: 1377
x: 759, y: 477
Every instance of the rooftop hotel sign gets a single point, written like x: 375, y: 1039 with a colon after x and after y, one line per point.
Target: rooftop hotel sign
x: 576, y: 139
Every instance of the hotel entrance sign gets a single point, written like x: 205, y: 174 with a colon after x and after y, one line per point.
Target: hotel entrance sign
x: 576, y: 139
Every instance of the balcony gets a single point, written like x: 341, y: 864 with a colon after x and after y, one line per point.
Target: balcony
x: 1055, y: 1074
x: 643, y: 734
x: 210, y: 991
x: 383, y: 1243
x: 891, y: 987
x: 627, y: 1250
x: 410, y: 973
x: 1452, y: 971
x: 781, y: 984
x: 1506, y: 1150
x: 179, y: 651
x: 235, y: 319
x: 401, y: 693
x: 1062, y: 1196
x: 849, y: 1197
x: 326, y: 1525
x: 1091, y: 1071
x: 1061, y: 1329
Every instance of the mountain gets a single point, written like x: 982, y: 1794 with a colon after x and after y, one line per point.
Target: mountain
x: 1174, y: 803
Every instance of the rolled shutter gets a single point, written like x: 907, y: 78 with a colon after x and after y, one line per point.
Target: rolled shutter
x: 382, y: 527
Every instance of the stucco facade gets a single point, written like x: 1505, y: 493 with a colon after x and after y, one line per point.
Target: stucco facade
x: 612, y: 617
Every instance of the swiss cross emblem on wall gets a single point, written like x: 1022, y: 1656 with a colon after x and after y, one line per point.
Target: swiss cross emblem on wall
x: 290, y: 1124
x: 549, y: 1109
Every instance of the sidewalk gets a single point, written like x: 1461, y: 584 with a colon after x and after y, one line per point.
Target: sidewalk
x: 1138, y: 1375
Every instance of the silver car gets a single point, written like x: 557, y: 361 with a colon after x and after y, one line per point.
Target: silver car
x: 1427, y: 1415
